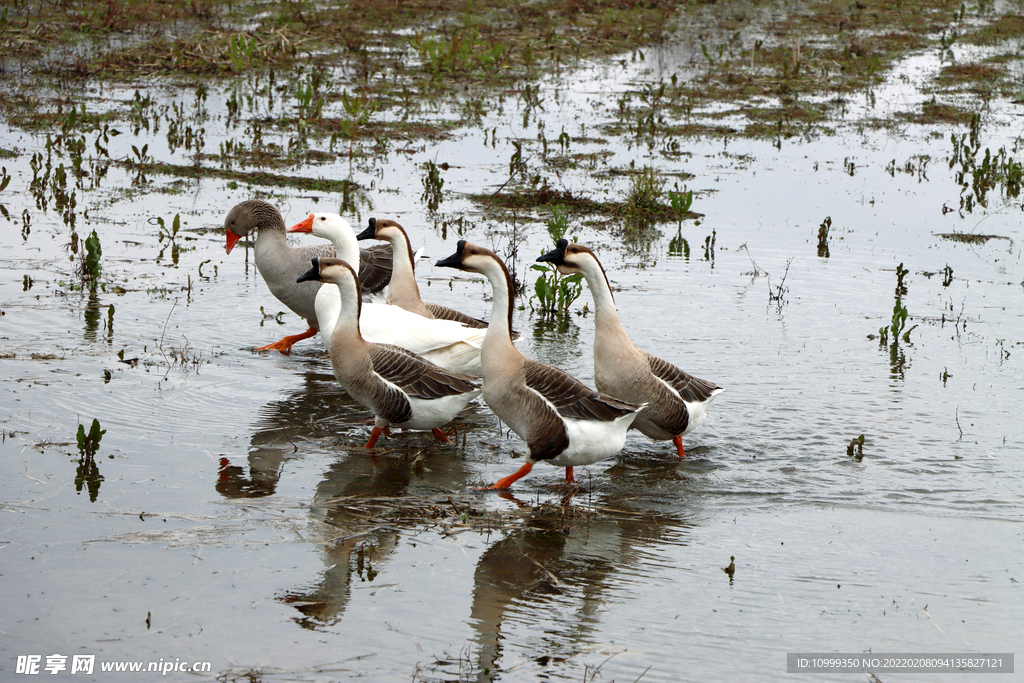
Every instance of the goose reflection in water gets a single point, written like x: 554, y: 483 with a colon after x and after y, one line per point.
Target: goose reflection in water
x: 318, y: 409
x: 558, y: 571
x: 354, y: 489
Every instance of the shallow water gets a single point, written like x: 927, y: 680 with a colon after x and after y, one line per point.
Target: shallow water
x: 232, y: 523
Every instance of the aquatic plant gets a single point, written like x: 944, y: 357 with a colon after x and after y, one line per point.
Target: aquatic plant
x: 87, y: 475
x: 432, y: 184
x: 555, y: 292
x: 978, y: 178
x: 776, y: 294
x: 240, y: 49
x: 897, y: 324
x: 170, y: 235
x: 89, y: 443
x: 823, y: 237
x: 90, y: 268
x: 643, y: 203
x: 709, y: 247
x: 681, y: 201
x: 465, y: 51
x: 310, y: 98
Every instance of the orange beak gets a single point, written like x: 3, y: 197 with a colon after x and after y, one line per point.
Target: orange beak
x: 232, y: 239
x: 304, y: 226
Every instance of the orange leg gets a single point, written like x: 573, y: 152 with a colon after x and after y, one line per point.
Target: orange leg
x: 678, y: 441
x: 374, y: 435
x: 506, y: 482
x: 568, y: 475
x: 285, y: 345
x: 440, y: 435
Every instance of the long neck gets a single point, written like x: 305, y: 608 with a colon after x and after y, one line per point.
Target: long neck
x: 275, y: 256
x: 271, y: 233
x: 499, y: 329
x: 346, y: 328
x: 604, y: 303
x: 403, y: 289
x: 346, y: 246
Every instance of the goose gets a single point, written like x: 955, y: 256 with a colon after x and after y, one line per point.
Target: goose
x: 398, y: 386
x: 676, y: 401
x: 404, y: 291
x: 280, y: 264
x: 447, y: 343
x: 562, y: 421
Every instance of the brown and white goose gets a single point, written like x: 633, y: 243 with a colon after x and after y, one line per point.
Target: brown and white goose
x: 400, y: 387
x: 676, y: 401
x: 280, y: 264
x: 404, y: 291
x: 562, y: 421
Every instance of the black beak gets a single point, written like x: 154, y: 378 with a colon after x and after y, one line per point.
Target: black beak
x: 370, y: 232
x: 311, y: 274
x: 556, y: 255
x: 455, y: 260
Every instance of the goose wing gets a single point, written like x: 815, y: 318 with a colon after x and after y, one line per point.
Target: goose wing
x: 444, y: 313
x: 572, y: 398
x: 691, y: 389
x: 417, y: 376
x: 375, y: 267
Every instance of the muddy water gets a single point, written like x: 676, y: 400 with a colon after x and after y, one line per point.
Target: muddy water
x: 230, y: 515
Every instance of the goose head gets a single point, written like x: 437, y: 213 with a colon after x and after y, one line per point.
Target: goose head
x: 473, y: 258
x: 248, y: 216
x: 387, y: 230
x: 332, y: 227
x: 569, y: 257
x: 382, y: 229
x: 335, y: 271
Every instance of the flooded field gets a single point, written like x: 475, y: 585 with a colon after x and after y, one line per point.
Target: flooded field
x: 855, y: 283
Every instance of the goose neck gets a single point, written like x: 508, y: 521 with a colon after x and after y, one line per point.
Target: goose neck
x: 500, y: 325
x: 403, y: 272
x: 345, y: 246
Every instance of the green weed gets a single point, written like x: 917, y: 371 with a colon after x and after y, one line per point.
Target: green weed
x: 555, y: 292
x: 643, y: 203
x: 89, y: 443
x: 432, y: 184
x: 91, y: 267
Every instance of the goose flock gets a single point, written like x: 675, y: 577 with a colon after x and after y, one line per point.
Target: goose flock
x: 416, y: 365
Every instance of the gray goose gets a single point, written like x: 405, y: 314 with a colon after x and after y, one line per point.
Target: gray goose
x: 562, y: 421
x: 280, y: 264
x: 676, y: 401
x: 404, y: 291
x: 398, y: 386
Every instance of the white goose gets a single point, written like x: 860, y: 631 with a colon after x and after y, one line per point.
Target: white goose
x: 676, y: 401
x: 280, y: 264
x: 562, y: 421
x: 400, y: 387
x: 447, y: 343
